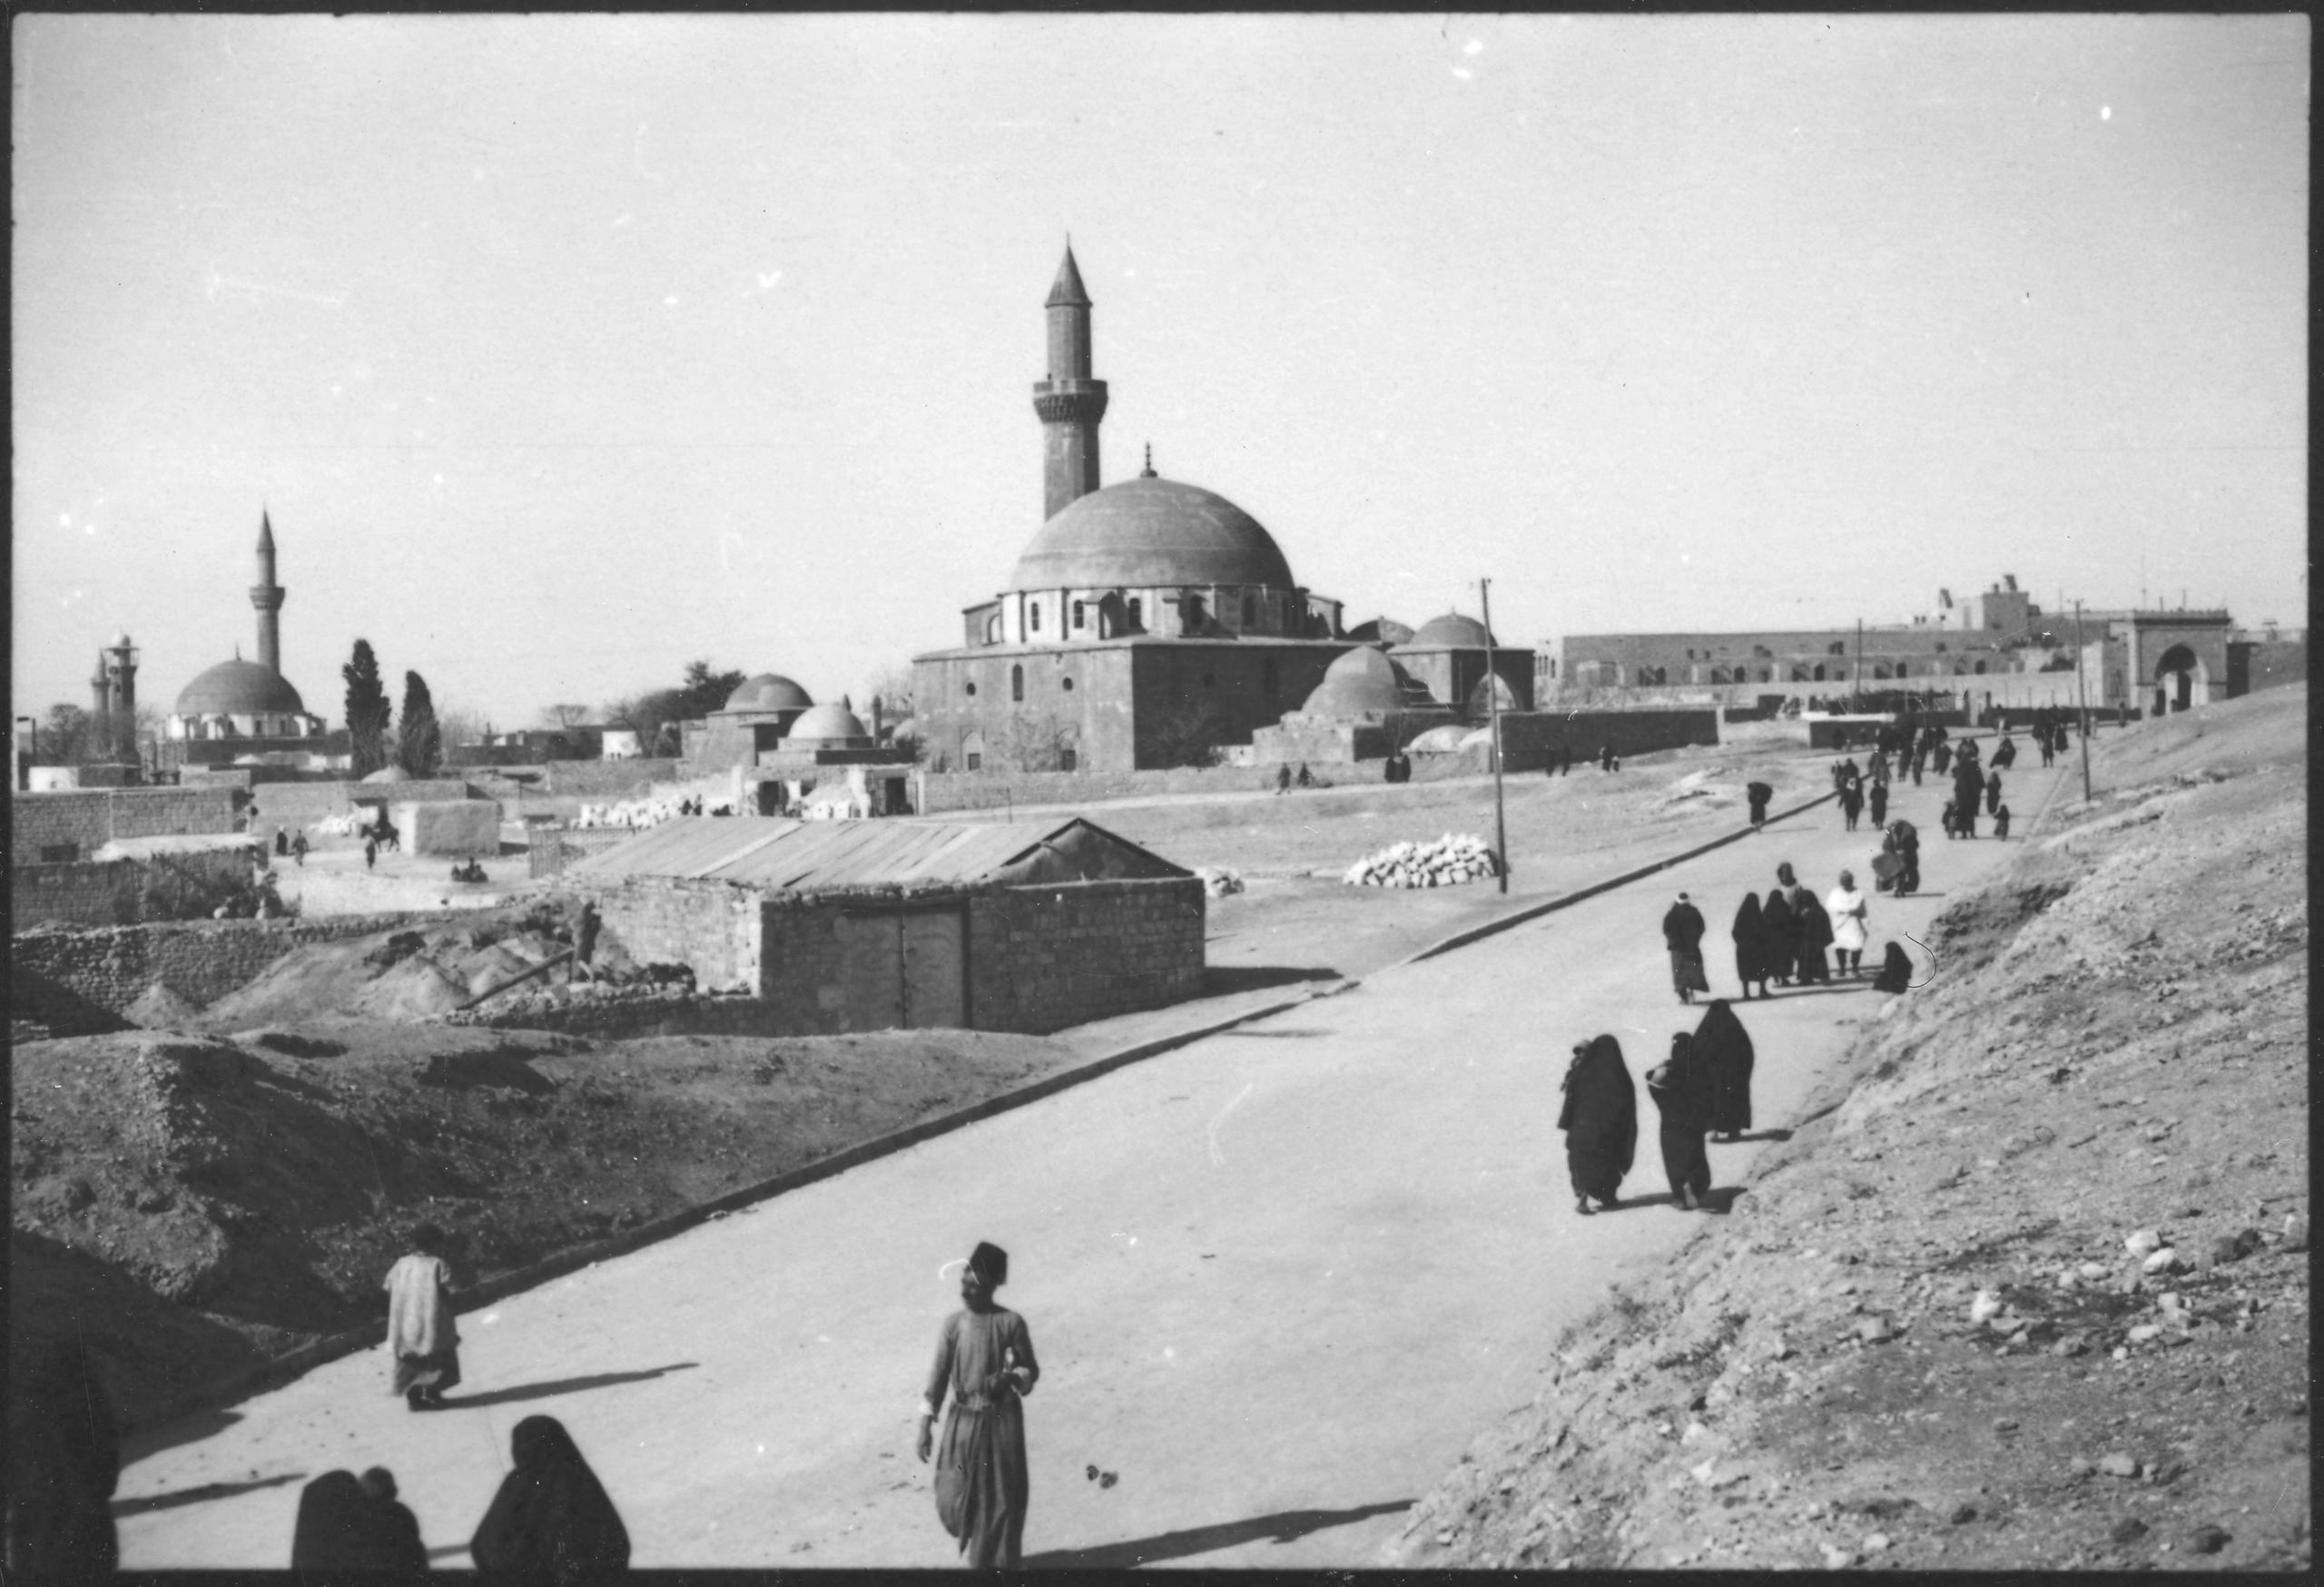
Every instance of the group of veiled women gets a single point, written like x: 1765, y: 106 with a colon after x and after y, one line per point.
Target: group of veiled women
x: 550, y: 1522
x: 1703, y: 1088
x: 1785, y: 941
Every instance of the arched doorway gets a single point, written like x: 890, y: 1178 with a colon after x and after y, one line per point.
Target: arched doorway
x: 2177, y: 677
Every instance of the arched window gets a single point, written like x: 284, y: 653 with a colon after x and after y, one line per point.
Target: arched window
x: 1066, y: 684
x: 972, y: 752
x: 1016, y: 682
x: 1819, y: 673
x: 1981, y: 667
x: 1250, y: 610
x: 972, y: 689
x: 1137, y: 615
x: 992, y: 629
x: 1078, y: 621
x: 1033, y: 615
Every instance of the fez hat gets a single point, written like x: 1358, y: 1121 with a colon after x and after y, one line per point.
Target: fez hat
x: 990, y: 1263
x: 1783, y: 875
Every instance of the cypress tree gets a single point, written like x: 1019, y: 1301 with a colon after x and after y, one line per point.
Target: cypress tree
x: 367, y: 712
x: 421, y: 746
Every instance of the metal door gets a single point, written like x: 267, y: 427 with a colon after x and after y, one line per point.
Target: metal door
x: 871, y: 978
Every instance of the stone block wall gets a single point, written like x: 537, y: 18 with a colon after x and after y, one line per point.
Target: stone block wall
x: 710, y: 927
x: 330, y: 894
x: 83, y: 892
x: 285, y: 804
x: 607, y: 779
x: 1043, y: 958
x: 463, y: 829
x: 44, y: 825
x: 58, y: 974
x: 1528, y: 738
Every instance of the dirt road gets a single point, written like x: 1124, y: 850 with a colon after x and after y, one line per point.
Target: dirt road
x: 1276, y: 1280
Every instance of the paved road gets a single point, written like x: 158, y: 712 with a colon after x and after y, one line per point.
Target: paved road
x: 1277, y: 1281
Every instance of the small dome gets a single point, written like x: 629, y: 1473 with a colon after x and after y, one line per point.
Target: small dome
x: 769, y: 691
x: 391, y: 773
x: 828, y: 725
x: 1362, y: 681
x: 1479, y: 705
x: 1450, y: 632
x: 1147, y: 532
x: 120, y: 641
x: 908, y: 728
x: 239, y: 688
x: 1438, y: 741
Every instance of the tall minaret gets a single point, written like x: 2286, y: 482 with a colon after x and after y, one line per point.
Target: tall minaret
x: 1069, y: 402
x: 267, y: 597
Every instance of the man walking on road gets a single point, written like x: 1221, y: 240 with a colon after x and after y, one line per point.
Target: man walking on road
x: 984, y: 1355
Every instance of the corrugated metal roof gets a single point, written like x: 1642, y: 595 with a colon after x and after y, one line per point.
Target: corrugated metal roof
x: 812, y: 856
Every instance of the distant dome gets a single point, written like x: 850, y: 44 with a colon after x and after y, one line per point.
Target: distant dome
x: 1450, y: 632
x: 389, y: 772
x: 1364, y: 680
x: 120, y: 641
x: 830, y: 725
x: 769, y: 692
x: 1479, y: 705
x: 1149, y: 532
x: 239, y: 688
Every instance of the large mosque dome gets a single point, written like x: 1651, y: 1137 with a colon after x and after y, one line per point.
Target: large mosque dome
x: 1362, y: 682
x: 239, y: 688
x: 1147, y: 532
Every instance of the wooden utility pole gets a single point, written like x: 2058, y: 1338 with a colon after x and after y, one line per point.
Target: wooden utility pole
x: 1492, y: 698
x: 1857, y: 703
x: 2081, y: 693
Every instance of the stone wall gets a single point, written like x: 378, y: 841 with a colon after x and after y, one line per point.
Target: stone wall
x: 1043, y: 958
x: 330, y: 894
x: 45, y: 826
x: 84, y: 892
x: 713, y: 927
x: 283, y: 803
x: 462, y: 828
x: 606, y: 779
x: 1529, y: 738
x: 73, y: 979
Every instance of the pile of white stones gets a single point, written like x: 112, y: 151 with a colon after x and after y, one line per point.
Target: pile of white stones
x: 637, y: 812
x: 1448, y: 861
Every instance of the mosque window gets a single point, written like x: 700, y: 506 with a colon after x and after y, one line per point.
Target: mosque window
x: 1067, y: 760
x: 1079, y: 621
x: 1250, y: 610
x: 1016, y: 682
x: 1137, y: 613
x: 1981, y: 667
x: 972, y: 688
x: 1066, y: 684
x: 975, y: 760
x: 1033, y: 616
x: 992, y: 629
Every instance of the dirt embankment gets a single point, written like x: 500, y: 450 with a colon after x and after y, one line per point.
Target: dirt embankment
x: 195, y: 1203
x: 1937, y: 1331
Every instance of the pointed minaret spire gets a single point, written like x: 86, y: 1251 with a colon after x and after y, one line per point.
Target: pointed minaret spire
x: 1071, y: 403
x: 1147, y: 472
x: 267, y: 597
x: 1068, y: 291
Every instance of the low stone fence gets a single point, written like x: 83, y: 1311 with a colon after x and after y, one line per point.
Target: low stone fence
x: 74, y: 980
x: 117, y: 892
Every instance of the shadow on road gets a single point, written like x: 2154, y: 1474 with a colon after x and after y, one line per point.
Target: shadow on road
x: 1747, y: 1138
x: 191, y: 1429
x: 562, y: 1385
x: 200, y: 1495
x: 1286, y: 1526
x: 1219, y: 980
x: 1719, y: 1199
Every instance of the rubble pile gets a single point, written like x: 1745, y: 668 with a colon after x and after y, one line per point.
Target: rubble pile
x: 1448, y: 861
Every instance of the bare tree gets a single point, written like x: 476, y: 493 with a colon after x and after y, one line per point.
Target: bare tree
x: 564, y: 715
x: 893, y: 688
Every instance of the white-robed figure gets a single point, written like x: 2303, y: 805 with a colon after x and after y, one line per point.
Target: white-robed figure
x: 1851, y: 920
x: 422, y: 1338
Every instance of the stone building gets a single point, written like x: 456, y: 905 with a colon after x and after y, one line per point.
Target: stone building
x: 1143, y: 621
x: 245, y: 710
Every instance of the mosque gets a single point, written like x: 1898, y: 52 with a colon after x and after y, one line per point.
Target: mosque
x: 245, y: 711
x: 1146, y: 621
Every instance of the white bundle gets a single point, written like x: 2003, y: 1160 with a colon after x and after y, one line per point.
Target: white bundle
x: 1448, y: 861
x: 1218, y: 881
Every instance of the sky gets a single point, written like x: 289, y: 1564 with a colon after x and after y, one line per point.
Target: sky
x: 564, y: 350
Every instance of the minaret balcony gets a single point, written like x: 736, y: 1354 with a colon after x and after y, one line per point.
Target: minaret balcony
x: 1070, y: 401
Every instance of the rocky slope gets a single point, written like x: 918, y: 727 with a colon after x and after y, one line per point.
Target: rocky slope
x: 2028, y: 1286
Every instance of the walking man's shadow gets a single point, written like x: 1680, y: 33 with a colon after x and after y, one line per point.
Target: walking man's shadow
x: 1285, y: 1526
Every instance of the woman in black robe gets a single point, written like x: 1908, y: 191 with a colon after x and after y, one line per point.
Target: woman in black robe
x: 1681, y: 1094
x: 1896, y: 970
x: 1723, y: 1049
x: 1750, y: 934
x: 551, y: 1521
x: 1815, y: 936
x: 1851, y: 801
x: 1599, y: 1118
x: 63, y: 1463
x: 1878, y: 802
x: 1781, y: 928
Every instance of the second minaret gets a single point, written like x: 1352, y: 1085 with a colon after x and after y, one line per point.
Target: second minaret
x: 1069, y: 402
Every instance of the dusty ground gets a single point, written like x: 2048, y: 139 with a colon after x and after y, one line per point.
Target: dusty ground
x: 201, y: 1197
x: 2114, y: 1043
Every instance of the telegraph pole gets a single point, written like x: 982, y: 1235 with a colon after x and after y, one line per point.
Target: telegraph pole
x: 1857, y: 703
x: 1493, y: 700
x: 2082, y: 693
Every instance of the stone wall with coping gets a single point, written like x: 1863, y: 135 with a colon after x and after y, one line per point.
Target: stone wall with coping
x: 42, y: 826
x: 1043, y: 958
x: 713, y: 927
x: 459, y: 828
